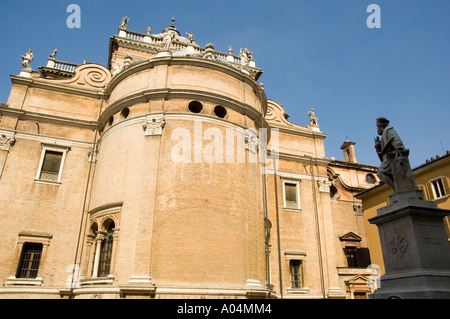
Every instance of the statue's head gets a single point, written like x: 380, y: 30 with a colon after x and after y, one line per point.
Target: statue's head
x: 382, y: 122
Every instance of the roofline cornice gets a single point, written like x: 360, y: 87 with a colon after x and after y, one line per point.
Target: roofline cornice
x: 57, y: 86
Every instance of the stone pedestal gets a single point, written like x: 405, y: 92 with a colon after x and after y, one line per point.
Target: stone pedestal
x: 415, y: 247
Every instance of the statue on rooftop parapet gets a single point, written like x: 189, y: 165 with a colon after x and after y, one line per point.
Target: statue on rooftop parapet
x: 395, y: 169
x: 123, y: 24
x: 53, y: 55
x: 246, y: 55
x: 167, y: 40
x: 27, y: 59
x: 312, y: 117
x: 190, y: 37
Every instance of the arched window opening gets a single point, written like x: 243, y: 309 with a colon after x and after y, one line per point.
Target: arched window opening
x: 104, y: 265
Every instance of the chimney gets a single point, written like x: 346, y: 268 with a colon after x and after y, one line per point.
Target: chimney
x: 349, y: 151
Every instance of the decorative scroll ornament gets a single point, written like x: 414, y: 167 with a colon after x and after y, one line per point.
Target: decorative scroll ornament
x: 153, y: 125
x: 93, y: 75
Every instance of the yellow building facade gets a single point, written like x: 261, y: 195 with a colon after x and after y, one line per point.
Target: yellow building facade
x: 169, y: 174
x: 433, y: 178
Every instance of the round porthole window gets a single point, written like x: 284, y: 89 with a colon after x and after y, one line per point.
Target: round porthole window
x: 195, y: 107
x: 220, y: 111
x: 125, y: 112
x: 370, y: 179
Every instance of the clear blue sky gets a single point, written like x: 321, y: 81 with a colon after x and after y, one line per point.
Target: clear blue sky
x: 314, y: 53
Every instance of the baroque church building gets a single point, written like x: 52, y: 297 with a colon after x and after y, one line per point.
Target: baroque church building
x: 169, y: 174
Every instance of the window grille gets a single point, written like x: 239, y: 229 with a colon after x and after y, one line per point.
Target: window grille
x: 296, y: 273
x: 350, y: 254
x: 29, y: 261
x: 105, y: 256
x: 290, y: 191
x: 51, y: 165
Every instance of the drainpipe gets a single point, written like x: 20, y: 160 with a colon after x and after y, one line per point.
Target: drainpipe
x: 88, y: 180
x: 322, y: 282
x: 278, y: 227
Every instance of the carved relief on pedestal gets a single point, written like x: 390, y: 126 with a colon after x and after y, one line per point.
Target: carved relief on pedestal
x: 398, y: 246
x: 153, y: 125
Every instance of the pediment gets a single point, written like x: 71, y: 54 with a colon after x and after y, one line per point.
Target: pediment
x: 358, y: 280
x: 351, y: 236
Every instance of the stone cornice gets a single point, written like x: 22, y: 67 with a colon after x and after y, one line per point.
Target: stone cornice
x: 57, y: 86
x: 302, y: 132
x: 54, y: 119
x: 167, y: 94
x: 199, y: 62
x: 357, y: 166
x: 302, y: 158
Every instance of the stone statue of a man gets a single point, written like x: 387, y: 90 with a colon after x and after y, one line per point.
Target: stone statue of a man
x: 313, y: 119
x: 395, y: 169
x: 27, y: 59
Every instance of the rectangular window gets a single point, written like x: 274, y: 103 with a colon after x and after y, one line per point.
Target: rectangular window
x: 350, y: 254
x: 51, y: 164
x: 29, y: 260
x: 295, y: 267
x: 291, y: 195
x: 438, y: 188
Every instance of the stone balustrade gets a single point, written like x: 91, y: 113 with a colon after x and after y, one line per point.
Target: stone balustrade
x: 151, y: 39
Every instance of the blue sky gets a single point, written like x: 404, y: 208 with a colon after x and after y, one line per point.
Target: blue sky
x: 314, y: 53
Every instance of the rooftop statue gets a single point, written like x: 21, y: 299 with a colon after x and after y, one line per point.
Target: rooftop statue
x: 312, y: 117
x: 27, y: 59
x: 123, y: 24
x: 395, y: 169
x: 246, y: 55
x: 190, y: 37
x: 53, y: 55
x: 167, y: 40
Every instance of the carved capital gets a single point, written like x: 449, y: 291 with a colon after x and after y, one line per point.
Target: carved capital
x: 324, y: 186
x: 92, y: 153
x: 153, y: 125
x: 358, y: 208
x: 6, y: 142
x: 251, y: 141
